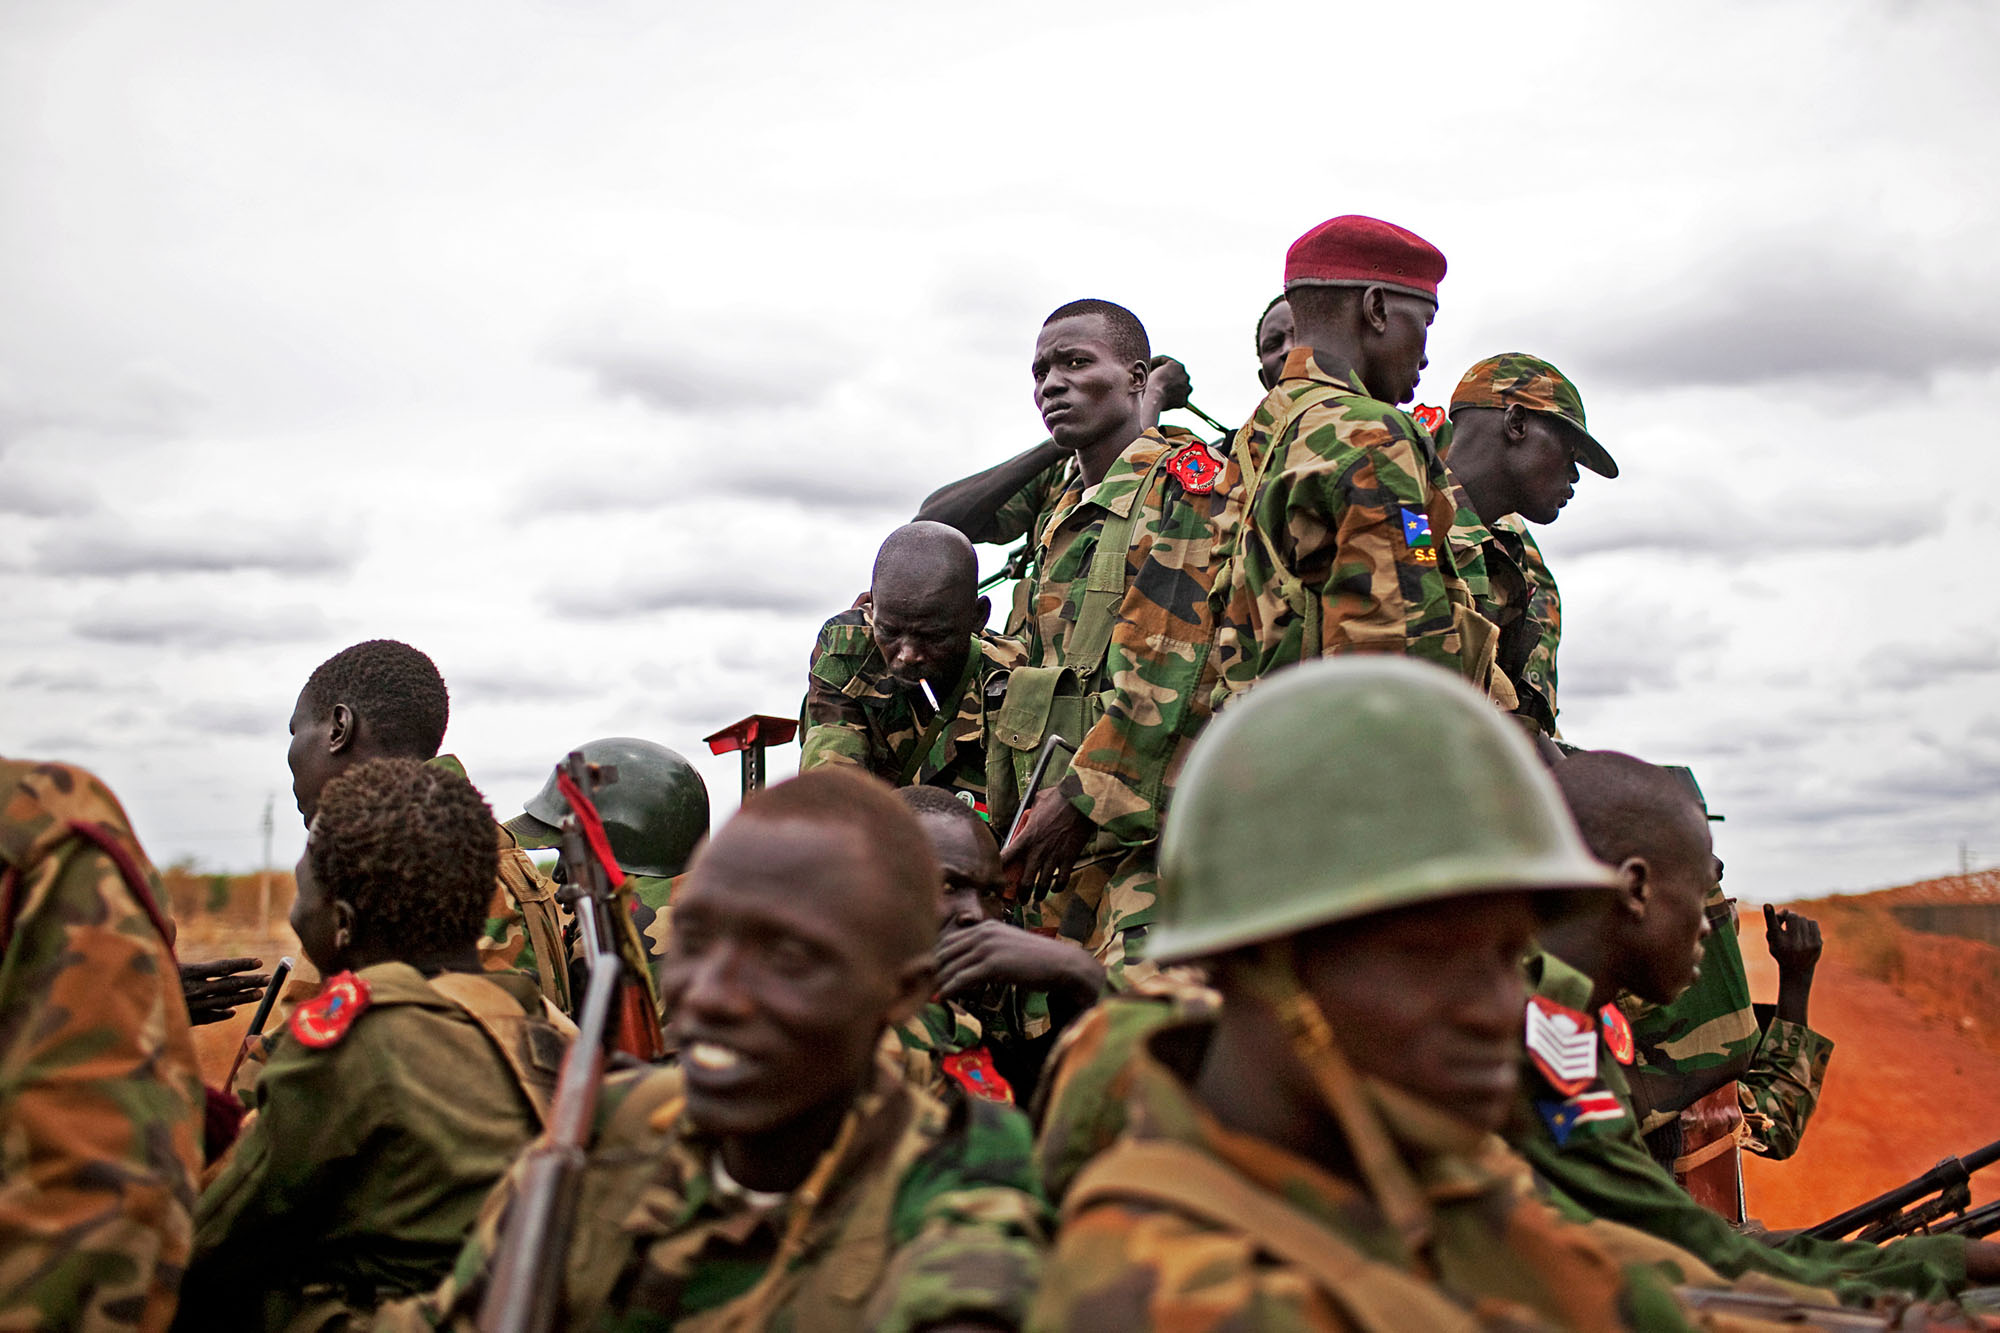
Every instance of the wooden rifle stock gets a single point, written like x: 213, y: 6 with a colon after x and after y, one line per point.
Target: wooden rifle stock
x: 1910, y: 1207
x: 1765, y: 1307
x: 603, y: 916
x: 526, y: 1283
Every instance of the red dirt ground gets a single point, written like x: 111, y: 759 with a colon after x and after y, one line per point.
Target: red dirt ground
x: 1909, y: 1084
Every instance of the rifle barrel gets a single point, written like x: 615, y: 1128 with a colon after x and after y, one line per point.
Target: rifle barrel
x: 1951, y: 1171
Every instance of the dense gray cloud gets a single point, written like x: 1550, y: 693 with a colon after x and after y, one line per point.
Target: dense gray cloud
x: 27, y: 496
x: 1794, y: 310
x: 652, y: 593
x: 1901, y: 666
x: 708, y: 367
x: 218, y: 545
x: 1714, y: 523
x: 211, y: 717
x: 201, y: 626
x: 514, y: 682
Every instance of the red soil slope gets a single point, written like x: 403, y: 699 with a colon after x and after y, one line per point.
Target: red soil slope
x: 1916, y: 1065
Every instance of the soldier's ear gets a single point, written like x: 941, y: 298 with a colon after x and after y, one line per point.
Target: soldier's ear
x: 915, y: 980
x: 342, y: 933
x: 1375, y: 309
x: 985, y: 611
x: 342, y: 730
x: 1635, y: 883
x: 1137, y: 376
x: 1514, y: 423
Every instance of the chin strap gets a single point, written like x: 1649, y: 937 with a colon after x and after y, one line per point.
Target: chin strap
x: 1395, y: 1191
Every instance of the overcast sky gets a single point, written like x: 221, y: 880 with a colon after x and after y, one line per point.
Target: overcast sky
x: 592, y: 347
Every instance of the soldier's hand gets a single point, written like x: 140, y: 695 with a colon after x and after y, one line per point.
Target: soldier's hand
x: 1038, y: 861
x: 1794, y: 940
x: 214, y: 990
x: 993, y: 951
x: 1167, y: 386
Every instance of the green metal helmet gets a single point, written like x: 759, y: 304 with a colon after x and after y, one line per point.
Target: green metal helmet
x: 1354, y: 785
x: 654, y: 814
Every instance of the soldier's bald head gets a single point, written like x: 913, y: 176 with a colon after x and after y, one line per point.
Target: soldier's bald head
x: 1626, y: 807
x: 926, y: 563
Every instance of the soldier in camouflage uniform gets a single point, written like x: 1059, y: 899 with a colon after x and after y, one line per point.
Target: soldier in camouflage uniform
x: 899, y: 687
x: 655, y: 815
x: 1120, y: 616
x: 1576, y: 1123
x: 392, y: 1102
x: 1004, y: 994
x: 1712, y: 1034
x: 784, y: 1176
x: 385, y: 700
x: 1346, y: 502
x: 1513, y: 442
x: 1319, y: 1156
x: 100, y: 1093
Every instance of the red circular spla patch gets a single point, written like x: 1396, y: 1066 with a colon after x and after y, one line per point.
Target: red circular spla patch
x: 323, y: 1020
x: 1196, y: 468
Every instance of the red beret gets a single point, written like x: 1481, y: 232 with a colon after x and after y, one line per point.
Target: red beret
x: 1355, y: 251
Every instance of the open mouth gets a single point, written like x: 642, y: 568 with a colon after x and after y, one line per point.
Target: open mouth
x: 712, y: 1058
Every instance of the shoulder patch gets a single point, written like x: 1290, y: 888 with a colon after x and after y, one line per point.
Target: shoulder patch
x: 1562, y: 1043
x: 1563, y: 1117
x: 1417, y: 536
x: 323, y: 1020
x: 1430, y: 418
x: 1618, y: 1034
x: 973, y: 1070
x: 1195, y: 468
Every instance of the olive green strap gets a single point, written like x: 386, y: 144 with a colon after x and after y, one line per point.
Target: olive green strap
x: 1376, y: 1296
x: 947, y: 710
x: 1105, y: 591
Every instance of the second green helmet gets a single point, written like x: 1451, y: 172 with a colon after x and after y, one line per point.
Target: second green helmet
x: 1353, y: 785
x: 654, y: 814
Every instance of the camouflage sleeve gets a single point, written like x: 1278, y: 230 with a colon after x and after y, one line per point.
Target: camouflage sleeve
x: 1780, y: 1089
x: 1358, y: 517
x: 1545, y: 621
x: 1021, y: 514
x: 836, y: 727
x: 1118, y: 1267
x: 1157, y: 665
x: 100, y: 1101
x: 970, y: 1228
x: 524, y: 926
x: 1080, y: 1105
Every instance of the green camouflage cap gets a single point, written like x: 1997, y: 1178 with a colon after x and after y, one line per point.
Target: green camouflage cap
x: 1516, y: 377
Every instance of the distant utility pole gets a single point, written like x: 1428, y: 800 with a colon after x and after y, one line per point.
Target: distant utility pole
x: 1964, y: 858
x: 264, y: 875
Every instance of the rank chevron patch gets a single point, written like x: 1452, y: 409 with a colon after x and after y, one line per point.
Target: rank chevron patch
x: 1562, y: 1043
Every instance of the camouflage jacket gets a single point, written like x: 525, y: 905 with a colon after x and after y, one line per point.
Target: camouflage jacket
x: 1342, y: 545
x: 1711, y: 1034
x: 1583, y: 1141
x: 1536, y: 683
x: 1157, y: 678
x: 524, y: 923
x: 368, y: 1158
x: 100, y: 1094
x: 914, y: 1216
x: 1493, y: 562
x: 1133, y: 1255
x: 855, y: 713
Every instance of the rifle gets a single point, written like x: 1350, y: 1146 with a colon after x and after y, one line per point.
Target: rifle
x: 1939, y: 1193
x: 596, y: 892
x: 533, y: 1246
x: 1766, y: 1308
x: 259, y: 1018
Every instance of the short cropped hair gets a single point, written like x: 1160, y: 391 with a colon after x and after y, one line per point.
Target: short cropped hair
x: 847, y: 798
x: 937, y: 801
x: 1122, y: 328
x: 411, y: 848
x: 1627, y: 807
x: 391, y: 686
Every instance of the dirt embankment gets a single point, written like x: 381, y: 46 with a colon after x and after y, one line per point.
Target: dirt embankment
x: 223, y: 916
x: 1915, y: 1019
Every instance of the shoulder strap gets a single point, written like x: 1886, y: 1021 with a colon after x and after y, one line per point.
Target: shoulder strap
x: 500, y: 1017
x: 1376, y: 1296
x: 1105, y: 591
x: 540, y: 918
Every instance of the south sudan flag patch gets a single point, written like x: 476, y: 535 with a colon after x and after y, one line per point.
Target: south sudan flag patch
x: 1417, y: 536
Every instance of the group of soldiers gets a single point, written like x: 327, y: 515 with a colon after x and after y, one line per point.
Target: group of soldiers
x: 1083, y: 979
